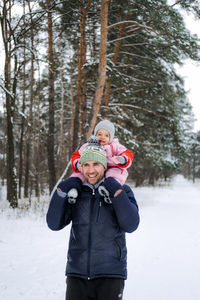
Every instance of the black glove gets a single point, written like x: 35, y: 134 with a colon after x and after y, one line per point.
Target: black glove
x: 112, y: 185
x: 68, y: 184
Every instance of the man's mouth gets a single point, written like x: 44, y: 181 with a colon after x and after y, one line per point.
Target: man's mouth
x: 91, y: 176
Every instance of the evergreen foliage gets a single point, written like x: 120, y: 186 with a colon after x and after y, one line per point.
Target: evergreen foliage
x: 190, y: 166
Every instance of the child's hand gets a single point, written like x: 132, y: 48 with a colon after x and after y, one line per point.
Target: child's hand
x: 115, y: 160
x: 119, y: 160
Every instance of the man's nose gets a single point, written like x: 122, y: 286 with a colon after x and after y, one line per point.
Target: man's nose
x: 91, y: 169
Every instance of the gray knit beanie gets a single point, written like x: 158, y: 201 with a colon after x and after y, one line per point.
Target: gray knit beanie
x: 107, y: 125
x: 94, y: 151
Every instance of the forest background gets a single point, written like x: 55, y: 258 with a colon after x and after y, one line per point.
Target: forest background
x: 69, y: 64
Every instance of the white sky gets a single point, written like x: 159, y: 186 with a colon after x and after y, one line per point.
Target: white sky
x: 191, y: 74
x: 190, y: 71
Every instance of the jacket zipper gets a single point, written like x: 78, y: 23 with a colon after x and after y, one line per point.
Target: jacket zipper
x: 98, y: 213
x: 89, y: 234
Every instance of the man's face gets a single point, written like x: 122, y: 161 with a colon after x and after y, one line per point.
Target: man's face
x: 93, y: 171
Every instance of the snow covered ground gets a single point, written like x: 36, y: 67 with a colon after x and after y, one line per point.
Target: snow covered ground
x: 163, y: 254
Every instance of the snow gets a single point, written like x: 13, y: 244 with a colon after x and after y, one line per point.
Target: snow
x: 163, y: 254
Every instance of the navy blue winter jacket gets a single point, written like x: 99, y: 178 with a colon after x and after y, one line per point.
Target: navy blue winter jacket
x: 97, y: 246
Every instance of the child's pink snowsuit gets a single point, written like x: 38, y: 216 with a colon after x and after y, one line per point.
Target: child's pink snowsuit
x: 119, y: 172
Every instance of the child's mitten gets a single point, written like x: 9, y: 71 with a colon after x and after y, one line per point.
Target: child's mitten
x: 119, y: 160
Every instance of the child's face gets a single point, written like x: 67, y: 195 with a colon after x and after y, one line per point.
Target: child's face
x: 103, y: 136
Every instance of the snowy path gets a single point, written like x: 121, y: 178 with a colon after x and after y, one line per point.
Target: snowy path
x: 163, y: 254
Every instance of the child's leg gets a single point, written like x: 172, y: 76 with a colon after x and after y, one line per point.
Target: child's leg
x: 79, y: 175
x: 119, y: 174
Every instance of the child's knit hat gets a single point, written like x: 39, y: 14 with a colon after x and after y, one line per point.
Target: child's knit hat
x: 107, y: 125
x: 94, y: 151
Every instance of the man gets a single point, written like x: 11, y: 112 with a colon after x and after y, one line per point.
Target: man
x: 101, y: 214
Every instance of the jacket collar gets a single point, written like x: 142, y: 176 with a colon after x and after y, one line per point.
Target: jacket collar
x: 86, y: 183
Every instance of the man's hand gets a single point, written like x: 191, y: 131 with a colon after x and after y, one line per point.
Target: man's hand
x: 70, y: 183
x: 113, y: 186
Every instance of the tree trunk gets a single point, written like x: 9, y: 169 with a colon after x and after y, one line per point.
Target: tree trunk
x: 10, y: 107
x: 102, y: 65
x: 28, y: 157
x: 60, y: 151
x: 115, y: 56
x: 37, y: 143
x: 81, y: 98
x: 72, y: 112
x: 50, y: 140
x: 152, y: 177
x: 21, y: 144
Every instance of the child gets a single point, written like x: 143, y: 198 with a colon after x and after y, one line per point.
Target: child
x: 119, y: 158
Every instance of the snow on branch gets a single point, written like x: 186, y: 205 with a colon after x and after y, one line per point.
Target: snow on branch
x: 122, y: 38
x: 7, y: 91
x: 177, y: 2
x: 23, y: 115
x: 138, y: 25
x: 138, y: 44
x: 131, y: 106
x: 132, y: 77
x: 132, y: 54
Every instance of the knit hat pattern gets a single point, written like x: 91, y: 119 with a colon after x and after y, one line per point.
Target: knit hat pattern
x: 95, y: 152
x: 107, y: 125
